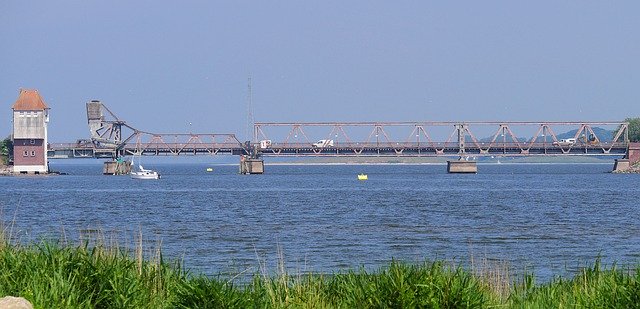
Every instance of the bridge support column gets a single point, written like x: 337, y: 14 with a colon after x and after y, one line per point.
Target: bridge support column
x: 462, y: 166
x: 250, y: 165
x: 633, y: 153
x: 621, y: 165
x: 116, y: 168
x: 630, y: 161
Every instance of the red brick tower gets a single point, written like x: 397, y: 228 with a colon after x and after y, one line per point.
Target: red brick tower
x: 30, y: 119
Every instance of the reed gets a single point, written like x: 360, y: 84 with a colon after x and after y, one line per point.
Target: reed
x: 98, y: 273
x: 593, y: 287
x: 494, y: 275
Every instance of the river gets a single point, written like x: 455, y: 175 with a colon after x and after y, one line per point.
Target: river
x: 545, y: 218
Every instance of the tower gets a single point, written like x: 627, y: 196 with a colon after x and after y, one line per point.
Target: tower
x: 30, y: 119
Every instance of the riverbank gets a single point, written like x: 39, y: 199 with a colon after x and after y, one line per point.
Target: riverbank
x: 5, y: 170
x: 50, y: 275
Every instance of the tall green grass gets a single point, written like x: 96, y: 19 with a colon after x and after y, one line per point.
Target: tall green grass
x: 592, y: 287
x: 96, y: 275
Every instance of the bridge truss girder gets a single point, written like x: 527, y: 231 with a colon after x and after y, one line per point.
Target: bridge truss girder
x: 174, y: 144
x: 294, y: 139
x: 108, y: 131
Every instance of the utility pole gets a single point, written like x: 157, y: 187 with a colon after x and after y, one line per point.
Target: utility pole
x: 250, y: 120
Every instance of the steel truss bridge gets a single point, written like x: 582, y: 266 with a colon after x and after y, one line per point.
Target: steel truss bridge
x: 419, y: 139
x: 112, y: 137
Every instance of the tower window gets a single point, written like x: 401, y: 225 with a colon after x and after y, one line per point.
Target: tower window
x: 33, y: 153
x: 25, y: 153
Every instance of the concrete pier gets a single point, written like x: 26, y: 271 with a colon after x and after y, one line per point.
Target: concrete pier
x: 621, y: 165
x: 630, y: 161
x: 251, y: 166
x: 462, y: 167
x: 116, y: 168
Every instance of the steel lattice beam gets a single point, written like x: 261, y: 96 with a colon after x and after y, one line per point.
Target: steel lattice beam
x: 461, y: 139
x: 107, y: 139
x: 351, y: 139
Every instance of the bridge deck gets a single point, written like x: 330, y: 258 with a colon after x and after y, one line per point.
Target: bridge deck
x: 60, y: 151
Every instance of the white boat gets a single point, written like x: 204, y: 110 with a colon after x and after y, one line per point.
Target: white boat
x: 143, y: 173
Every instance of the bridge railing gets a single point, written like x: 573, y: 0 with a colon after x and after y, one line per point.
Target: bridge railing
x: 345, y: 145
x: 444, y: 149
x: 439, y: 145
x: 181, y: 147
x: 57, y: 146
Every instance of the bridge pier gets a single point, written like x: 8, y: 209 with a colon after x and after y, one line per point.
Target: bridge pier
x: 250, y: 165
x: 462, y: 167
x: 630, y: 160
x: 621, y: 165
x: 116, y: 168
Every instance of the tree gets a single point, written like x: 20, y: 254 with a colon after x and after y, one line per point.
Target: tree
x: 634, y: 129
x: 6, y: 150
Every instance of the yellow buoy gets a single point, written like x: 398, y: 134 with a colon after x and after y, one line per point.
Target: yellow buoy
x: 209, y: 169
x: 362, y: 177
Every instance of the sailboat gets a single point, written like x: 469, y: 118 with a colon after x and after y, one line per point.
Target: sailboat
x: 143, y: 173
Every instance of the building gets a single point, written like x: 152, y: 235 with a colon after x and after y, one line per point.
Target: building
x: 30, y: 119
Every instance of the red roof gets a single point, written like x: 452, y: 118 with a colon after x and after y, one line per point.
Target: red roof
x: 29, y: 100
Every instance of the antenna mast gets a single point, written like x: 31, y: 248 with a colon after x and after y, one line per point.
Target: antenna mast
x: 250, y: 120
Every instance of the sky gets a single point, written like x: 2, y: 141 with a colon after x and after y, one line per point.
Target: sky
x: 183, y: 66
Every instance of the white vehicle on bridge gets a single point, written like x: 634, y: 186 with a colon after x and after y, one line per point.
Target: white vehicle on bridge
x: 565, y: 142
x: 323, y: 143
x: 265, y: 143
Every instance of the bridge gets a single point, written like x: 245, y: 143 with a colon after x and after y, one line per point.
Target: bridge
x: 418, y: 139
x: 112, y: 137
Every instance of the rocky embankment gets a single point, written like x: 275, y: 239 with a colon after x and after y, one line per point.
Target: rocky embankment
x: 635, y: 169
x: 4, y: 170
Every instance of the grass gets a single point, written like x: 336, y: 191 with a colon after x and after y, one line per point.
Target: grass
x: 99, y: 274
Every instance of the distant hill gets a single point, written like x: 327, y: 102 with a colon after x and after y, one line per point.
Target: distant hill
x: 603, y: 134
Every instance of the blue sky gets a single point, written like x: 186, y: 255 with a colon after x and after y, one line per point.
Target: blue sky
x: 161, y: 65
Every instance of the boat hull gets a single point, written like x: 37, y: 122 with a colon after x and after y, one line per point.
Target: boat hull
x: 144, y: 175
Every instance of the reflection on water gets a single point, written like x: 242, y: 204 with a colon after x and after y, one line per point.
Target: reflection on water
x: 546, y: 218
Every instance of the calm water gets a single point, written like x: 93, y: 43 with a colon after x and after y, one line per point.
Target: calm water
x: 547, y: 218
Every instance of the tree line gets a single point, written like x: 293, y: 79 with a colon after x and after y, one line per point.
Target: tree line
x: 634, y: 129
x: 6, y: 149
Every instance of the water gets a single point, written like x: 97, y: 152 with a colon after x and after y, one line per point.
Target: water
x: 549, y: 219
